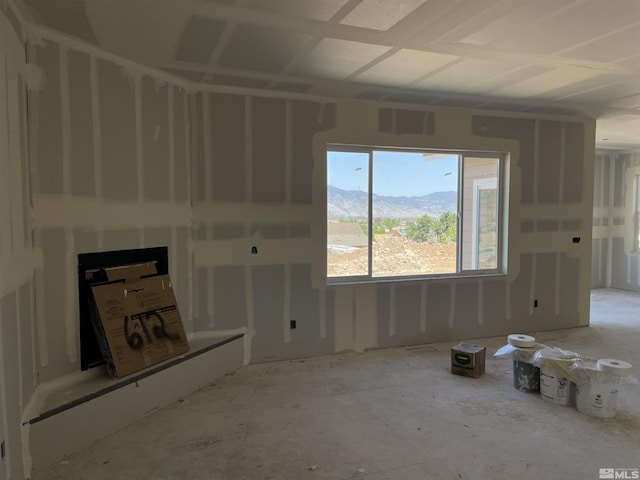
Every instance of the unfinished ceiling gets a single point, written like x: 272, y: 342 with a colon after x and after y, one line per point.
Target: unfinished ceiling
x: 543, y: 56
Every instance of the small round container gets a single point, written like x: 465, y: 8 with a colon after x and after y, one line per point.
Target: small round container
x: 597, y: 391
x: 526, y: 376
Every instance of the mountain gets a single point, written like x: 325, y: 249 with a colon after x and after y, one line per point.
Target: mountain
x: 353, y: 204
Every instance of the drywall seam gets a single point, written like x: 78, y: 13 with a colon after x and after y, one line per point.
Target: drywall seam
x: 172, y: 144
x: 211, y: 302
x: 69, y: 296
x: 4, y: 403
x: 96, y: 126
x: 562, y: 162
x: 452, y: 303
x: 248, y: 288
x: 551, y: 212
x: 392, y: 310
x: 557, y: 285
x: 137, y: 99
x: 19, y: 347
x: 536, y: 160
x: 532, y: 281
x: 38, y: 33
x: 247, y: 212
x: 248, y: 156
x: 286, y: 308
x: 65, y: 107
x: 287, y: 156
x: 21, y: 263
x: 507, y: 300
x: 5, y: 159
x: 612, y: 172
x: 206, y: 145
x: 423, y: 306
x: 43, y: 348
x: 481, y: 301
x: 74, y: 211
x: 322, y: 309
x: 34, y: 340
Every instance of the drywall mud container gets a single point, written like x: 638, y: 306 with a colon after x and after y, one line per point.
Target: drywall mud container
x: 526, y: 376
x: 597, y: 388
x: 556, y: 374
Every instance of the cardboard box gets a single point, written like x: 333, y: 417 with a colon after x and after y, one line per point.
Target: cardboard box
x: 138, y: 319
x: 467, y: 359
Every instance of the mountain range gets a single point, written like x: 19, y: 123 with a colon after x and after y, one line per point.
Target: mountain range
x: 353, y: 204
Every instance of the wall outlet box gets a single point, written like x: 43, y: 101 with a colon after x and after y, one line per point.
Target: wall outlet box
x: 467, y: 359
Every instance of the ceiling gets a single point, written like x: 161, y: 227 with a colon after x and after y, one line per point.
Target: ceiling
x: 541, y: 56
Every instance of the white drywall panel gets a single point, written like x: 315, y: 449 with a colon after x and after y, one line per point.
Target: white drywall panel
x: 268, y: 139
x: 155, y: 139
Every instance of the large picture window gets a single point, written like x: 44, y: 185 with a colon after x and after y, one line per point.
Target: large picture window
x: 412, y: 213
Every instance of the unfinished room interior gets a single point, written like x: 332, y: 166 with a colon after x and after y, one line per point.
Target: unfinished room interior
x: 338, y: 200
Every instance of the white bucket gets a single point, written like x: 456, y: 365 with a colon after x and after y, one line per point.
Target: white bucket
x: 555, y: 388
x: 598, y: 396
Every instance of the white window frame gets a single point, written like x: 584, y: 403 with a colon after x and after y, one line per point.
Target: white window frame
x: 500, y: 182
x: 488, y: 183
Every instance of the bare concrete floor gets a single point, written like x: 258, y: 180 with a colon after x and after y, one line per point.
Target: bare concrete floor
x: 386, y: 414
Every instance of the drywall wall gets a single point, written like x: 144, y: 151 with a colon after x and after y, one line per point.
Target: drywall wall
x: 18, y: 258
x: 616, y: 257
x: 110, y: 151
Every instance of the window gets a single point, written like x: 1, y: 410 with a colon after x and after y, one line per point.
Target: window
x: 412, y: 213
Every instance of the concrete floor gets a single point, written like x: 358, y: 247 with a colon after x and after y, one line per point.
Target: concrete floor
x: 385, y: 414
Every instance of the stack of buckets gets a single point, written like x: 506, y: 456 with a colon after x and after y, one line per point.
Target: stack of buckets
x: 563, y: 378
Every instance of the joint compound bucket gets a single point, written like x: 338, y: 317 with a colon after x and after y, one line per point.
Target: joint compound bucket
x: 555, y: 388
x: 526, y: 376
x: 597, y: 391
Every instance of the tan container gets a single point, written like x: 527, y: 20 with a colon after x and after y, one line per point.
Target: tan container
x: 467, y: 359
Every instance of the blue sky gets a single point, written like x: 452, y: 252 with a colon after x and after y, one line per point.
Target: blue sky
x: 396, y: 174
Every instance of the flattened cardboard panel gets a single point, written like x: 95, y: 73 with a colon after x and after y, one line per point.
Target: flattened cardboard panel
x: 199, y: 179
x: 227, y: 147
x: 226, y: 231
x: 82, y: 161
x: 304, y: 309
x: 118, y: 133
x: 573, y: 162
x: 141, y: 323
x: 230, y: 300
x: 305, y: 123
x: 268, y: 292
x: 268, y: 140
x: 569, y: 290
x: 155, y: 139
x: 180, y: 159
x: 49, y: 140
x: 522, y: 130
x: 55, y: 272
x: 549, y: 161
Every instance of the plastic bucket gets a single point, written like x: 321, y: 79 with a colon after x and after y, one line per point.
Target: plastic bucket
x: 526, y: 377
x: 598, y: 396
x: 555, y: 388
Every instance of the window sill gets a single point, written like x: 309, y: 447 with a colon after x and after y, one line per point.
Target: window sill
x: 337, y: 281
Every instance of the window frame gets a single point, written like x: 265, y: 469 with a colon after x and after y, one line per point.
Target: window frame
x: 501, y: 183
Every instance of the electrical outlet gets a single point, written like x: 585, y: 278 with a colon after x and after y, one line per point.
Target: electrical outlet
x: 292, y: 324
x: 535, y: 303
x: 3, y: 451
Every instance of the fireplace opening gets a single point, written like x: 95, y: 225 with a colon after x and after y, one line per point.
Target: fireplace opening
x: 91, y: 268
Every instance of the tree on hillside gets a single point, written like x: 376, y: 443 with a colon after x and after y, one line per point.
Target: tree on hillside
x: 432, y: 230
x: 448, y: 227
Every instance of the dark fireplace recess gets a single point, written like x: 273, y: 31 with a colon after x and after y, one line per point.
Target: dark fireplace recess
x: 91, y: 271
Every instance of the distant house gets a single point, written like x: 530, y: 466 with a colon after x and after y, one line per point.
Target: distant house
x: 345, y: 234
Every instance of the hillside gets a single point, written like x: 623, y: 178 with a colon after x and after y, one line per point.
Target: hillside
x: 353, y: 204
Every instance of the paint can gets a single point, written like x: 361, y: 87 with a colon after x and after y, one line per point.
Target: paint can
x: 526, y: 376
x: 597, y: 389
x: 556, y: 388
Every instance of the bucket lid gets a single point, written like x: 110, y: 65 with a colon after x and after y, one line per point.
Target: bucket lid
x: 614, y: 367
x: 523, y: 341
